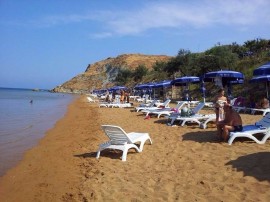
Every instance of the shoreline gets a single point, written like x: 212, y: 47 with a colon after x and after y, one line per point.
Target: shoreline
x: 44, y: 165
x: 184, y: 163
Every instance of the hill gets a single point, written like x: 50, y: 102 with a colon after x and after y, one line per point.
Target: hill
x: 102, y: 74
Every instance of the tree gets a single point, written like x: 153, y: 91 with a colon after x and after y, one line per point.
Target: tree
x: 207, y: 63
x: 159, y: 66
x: 139, y: 72
x: 179, y: 63
x: 123, y: 76
x: 226, y: 58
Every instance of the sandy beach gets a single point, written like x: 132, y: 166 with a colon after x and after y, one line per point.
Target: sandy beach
x: 183, y: 163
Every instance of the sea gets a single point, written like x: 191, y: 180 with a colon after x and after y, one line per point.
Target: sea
x: 25, y: 116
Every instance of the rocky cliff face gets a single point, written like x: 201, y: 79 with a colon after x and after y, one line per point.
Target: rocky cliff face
x: 103, y: 73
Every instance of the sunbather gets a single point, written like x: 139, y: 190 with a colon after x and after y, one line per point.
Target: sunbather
x: 232, y: 122
x: 262, y: 103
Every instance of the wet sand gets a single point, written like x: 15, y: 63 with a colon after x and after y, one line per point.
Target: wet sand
x: 183, y: 164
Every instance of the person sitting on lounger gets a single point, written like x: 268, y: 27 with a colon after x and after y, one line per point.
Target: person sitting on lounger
x: 262, y: 103
x: 232, y: 122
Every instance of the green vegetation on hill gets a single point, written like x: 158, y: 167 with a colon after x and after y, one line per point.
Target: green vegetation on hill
x: 243, y: 58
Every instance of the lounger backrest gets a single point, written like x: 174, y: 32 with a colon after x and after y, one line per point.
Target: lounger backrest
x: 232, y: 101
x: 198, y: 108
x: 166, y: 103
x: 180, y: 105
x: 265, y: 121
x: 152, y: 104
x: 90, y: 99
x: 116, y: 134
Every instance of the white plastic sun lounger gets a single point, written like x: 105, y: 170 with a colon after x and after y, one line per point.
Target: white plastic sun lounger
x: 119, y: 105
x: 145, y: 106
x: 262, y: 126
x: 201, y: 119
x: 264, y: 111
x: 120, y: 140
x: 151, y: 104
x: 90, y: 99
x: 165, y: 105
x: 115, y: 105
x: 164, y: 111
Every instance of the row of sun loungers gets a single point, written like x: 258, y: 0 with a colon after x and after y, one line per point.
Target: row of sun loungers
x: 172, y: 115
x: 120, y: 140
x: 251, y: 110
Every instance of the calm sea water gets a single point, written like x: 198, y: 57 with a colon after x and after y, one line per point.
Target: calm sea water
x: 23, y: 123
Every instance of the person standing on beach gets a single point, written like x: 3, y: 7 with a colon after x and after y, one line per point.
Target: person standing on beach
x: 127, y: 94
x: 219, y: 102
x: 232, y: 122
x: 122, y: 96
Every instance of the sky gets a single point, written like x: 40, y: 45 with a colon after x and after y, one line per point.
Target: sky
x: 45, y: 43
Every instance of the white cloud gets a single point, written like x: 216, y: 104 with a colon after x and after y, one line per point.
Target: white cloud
x: 171, y: 14
x: 204, y: 13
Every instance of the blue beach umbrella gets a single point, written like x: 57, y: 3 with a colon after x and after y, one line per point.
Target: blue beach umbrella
x: 262, y: 78
x: 99, y: 91
x: 185, y: 80
x: 261, y: 74
x: 262, y: 70
x: 225, y: 75
x: 223, y: 78
x: 162, y: 84
x: 145, y: 87
x: 116, y: 88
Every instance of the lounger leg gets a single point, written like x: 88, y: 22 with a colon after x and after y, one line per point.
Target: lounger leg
x: 183, y: 122
x: 124, y: 156
x: 172, y: 121
x: 143, y: 142
x: 265, y: 137
x: 98, y: 154
x: 125, y: 151
x: 231, y: 139
x: 203, y: 125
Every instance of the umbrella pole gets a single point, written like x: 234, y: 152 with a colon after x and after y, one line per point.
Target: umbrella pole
x: 267, y: 90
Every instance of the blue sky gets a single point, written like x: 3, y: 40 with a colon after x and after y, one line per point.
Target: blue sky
x: 44, y: 43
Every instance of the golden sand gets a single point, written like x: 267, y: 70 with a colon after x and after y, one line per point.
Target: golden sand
x: 183, y: 164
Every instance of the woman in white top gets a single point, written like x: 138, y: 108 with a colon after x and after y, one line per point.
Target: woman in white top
x: 219, y: 101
